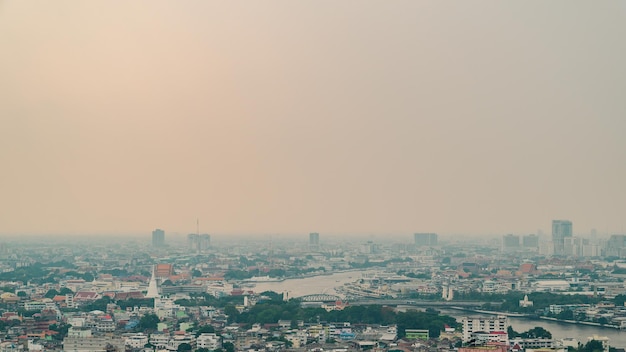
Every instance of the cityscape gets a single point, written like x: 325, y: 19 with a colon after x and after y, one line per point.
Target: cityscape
x: 312, y: 176
x: 418, y: 293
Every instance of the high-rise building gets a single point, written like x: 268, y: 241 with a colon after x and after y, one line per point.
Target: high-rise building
x: 204, y: 242
x: 314, y: 240
x: 192, y: 241
x: 484, y: 324
x: 530, y: 241
x: 158, y: 238
x: 425, y: 239
x: 560, y: 230
x: 510, y: 243
x: 616, y: 246
x: 198, y: 243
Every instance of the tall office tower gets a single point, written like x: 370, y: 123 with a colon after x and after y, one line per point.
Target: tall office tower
x: 314, y: 240
x: 616, y: 246
x: 425, y: 239
x: 204, y: 242
x: 193, y: 241
x: 573, y: 246
x: 158, y: 238
x: 510, y: 243
x: 560, y: 230
x: 530, y: 241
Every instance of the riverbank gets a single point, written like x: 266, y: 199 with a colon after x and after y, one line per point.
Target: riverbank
x: 490, y: 312
x: 536, y: 317
x: 589, y: 323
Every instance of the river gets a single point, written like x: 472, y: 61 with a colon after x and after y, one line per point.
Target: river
x: 311, y: 285
x: 558, y: 330
x: 327, y: 283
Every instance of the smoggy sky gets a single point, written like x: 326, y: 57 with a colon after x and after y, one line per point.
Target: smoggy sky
x: 296, y: 116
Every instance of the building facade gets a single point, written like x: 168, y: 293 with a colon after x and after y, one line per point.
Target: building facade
x: 314, y: 240
x: 482, y: 324
x: 158, y: 238
x: 425, y: 239
x: 561, y: 229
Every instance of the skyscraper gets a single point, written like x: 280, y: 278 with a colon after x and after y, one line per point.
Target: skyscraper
x: 158, y: 238
x: 204, y: 242
x: 198, y: 243
x: 510, y: 243
x: 425, y: 239
x: 530, y: 241
x: 560, y: 230
x: 192, y: 241
x: 314, y: 240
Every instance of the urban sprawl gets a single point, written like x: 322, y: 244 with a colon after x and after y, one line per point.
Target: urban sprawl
x: 312, y: 293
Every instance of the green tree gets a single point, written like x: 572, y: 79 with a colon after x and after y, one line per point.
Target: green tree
x: 205, y: 329
x: 232, y: 312
x: 66, y: 291
x: 149, y: 322
x: 184, y: 347
x: 512, y: 333
x: 51, y: 293
x: 228, y: 347
x: 99, y: 304
x: 619, y: 300
x: 592, y: 346
x: 537, y: 333
x: 566, y: 315
x: 61, y: 330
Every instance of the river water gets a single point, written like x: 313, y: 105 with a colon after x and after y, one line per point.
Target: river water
x: 327, y: 283
x: 559, y: 330
x: 310, y: 285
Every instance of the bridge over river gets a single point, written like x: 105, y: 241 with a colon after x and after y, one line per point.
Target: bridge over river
x: 421, y: 303
x: 320, y: 298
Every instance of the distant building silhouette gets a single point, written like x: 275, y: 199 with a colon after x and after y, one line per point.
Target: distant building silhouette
x: 198, y: 243
x: 616, y: 246
x: 204, y: 242
x: 560, y: 230
x: 314, y: 240
x: 510, y: 243
x: 158, y: 238
x: 192, y: 241
x: 425, y: 239
x: 530, y: 241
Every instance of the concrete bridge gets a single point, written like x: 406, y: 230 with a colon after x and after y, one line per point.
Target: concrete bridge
x: 321, y: 297
x: 419, y: 303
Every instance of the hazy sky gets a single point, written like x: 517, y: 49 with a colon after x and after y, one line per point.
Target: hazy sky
x: 297, y: 116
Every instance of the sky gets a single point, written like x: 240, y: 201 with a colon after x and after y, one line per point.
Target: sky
x: 290, y: 117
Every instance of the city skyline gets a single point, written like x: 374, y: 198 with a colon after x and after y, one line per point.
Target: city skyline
x: 291, y: 117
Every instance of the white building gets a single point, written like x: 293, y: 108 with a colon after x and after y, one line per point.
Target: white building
x: 178, y: 340
x: 92, y: 344
x: 136, y: 341
x: 551, y: 285
x: 525, y: 302
x: 534, y: 343
x: 208, y: 341
x: 485, y: 324
x: 160, y: 341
